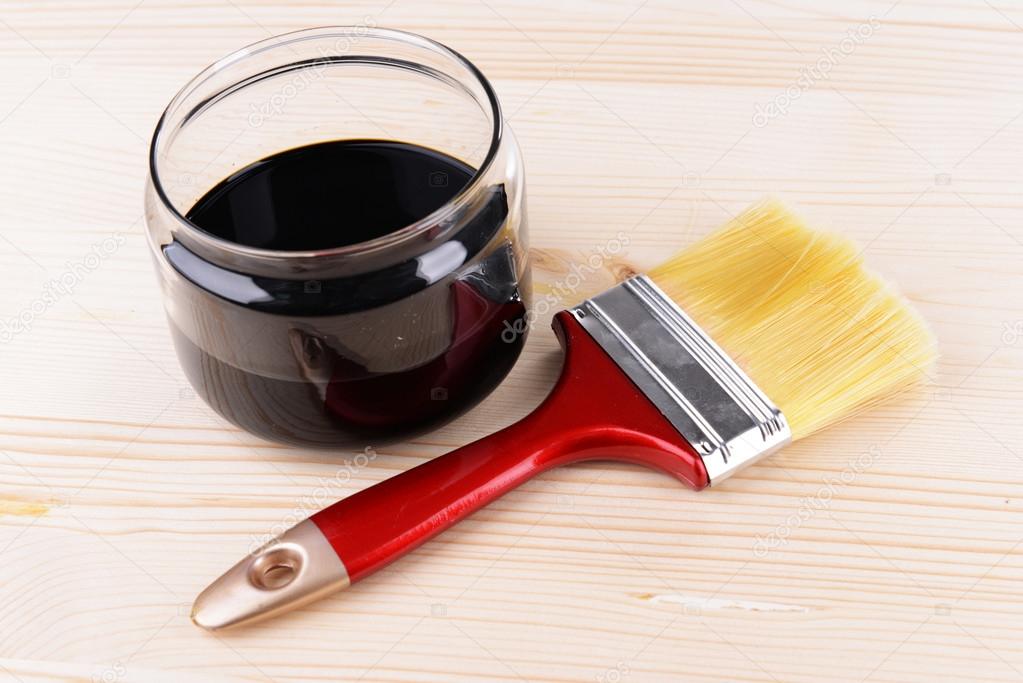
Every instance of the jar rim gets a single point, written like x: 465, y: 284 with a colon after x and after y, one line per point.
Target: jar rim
x: 439, y: 216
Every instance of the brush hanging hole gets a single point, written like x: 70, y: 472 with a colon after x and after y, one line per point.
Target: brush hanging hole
x: 275, y: 568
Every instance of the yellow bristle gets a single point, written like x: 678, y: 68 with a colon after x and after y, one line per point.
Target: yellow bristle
x: 820, y: 335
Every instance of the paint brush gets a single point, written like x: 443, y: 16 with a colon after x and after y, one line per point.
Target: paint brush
x: 761, y: 333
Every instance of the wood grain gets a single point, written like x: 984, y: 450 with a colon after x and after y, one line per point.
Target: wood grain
x: 888, y: 549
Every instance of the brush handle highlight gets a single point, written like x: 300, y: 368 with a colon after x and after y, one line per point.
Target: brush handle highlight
x: 594, y: 412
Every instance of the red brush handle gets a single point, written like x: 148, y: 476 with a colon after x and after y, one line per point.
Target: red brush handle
x: 594, y: 412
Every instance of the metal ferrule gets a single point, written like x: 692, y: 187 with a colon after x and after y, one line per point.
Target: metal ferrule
x: 712, y: 403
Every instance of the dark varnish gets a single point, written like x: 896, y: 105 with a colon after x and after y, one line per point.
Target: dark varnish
x: 357, y: 360
x: 330, y: 195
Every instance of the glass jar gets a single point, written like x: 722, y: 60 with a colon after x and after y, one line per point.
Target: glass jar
x: 358, y: 344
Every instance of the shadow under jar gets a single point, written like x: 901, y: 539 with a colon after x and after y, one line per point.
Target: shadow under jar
x: 337, y: 218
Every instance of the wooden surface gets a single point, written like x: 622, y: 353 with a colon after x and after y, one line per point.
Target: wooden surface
x: 888, y: 549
